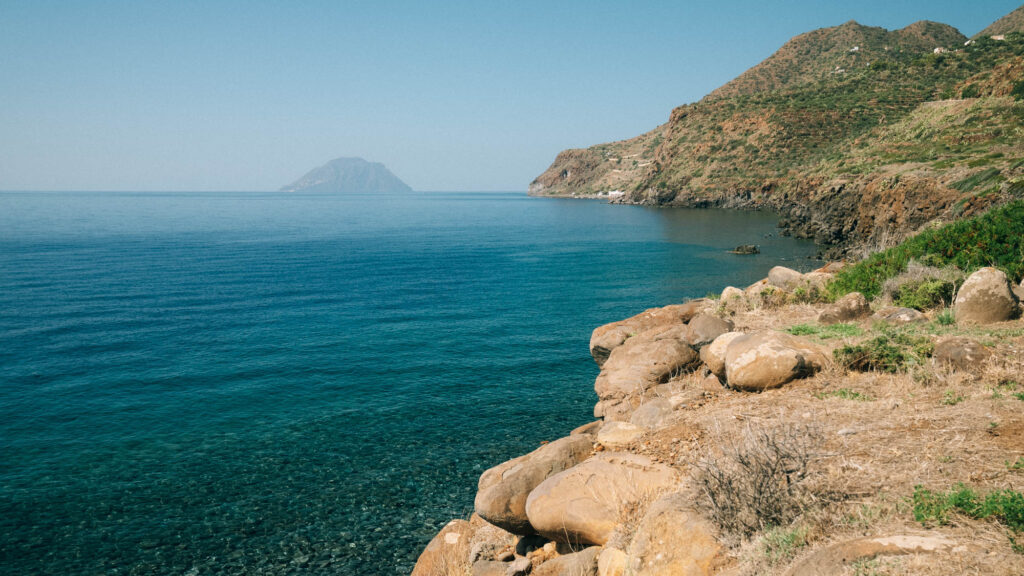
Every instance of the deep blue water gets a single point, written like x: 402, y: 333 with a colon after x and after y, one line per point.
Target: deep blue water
x: 268, y: 383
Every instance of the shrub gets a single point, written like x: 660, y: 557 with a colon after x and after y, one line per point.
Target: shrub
x: 758, y: 482
x: 995, y: 238
x: 922, y: 286
x: 893, y: 353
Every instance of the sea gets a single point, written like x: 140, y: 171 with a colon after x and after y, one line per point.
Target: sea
x: 268, y: 383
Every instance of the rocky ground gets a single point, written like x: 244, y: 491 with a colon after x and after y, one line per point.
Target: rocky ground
x: 768, y: 432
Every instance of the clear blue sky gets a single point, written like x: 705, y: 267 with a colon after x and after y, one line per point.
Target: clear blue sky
x: 474, y: 95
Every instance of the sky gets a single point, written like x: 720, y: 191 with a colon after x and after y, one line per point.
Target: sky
x: 450, y: 95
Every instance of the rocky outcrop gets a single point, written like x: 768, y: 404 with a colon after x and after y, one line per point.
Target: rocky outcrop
x: 985, y: 297
x: 639, y: 364
x: 853, y: 306
x: 673, y: 540
x: 447, y: 552
x: 713, y: 355
x: 652, y: 414
x: 503, y: 490
x: 617, y: 435
x: 582, y: 563
x: 769, y: 359
x: 610, y: 336
x: 583, y: 505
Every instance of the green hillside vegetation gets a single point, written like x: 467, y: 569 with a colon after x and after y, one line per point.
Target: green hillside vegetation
x: 854, y: 148
x: 995, y: 238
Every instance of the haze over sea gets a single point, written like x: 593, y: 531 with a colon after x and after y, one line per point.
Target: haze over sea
x: 262, y: 383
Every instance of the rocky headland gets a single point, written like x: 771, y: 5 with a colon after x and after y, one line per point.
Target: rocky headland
x: 775, y: 430
x: 858, y: 136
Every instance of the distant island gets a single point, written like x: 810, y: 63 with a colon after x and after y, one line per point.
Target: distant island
x: 348, y: 175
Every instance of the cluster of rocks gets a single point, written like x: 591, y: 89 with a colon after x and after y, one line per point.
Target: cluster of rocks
x: 586, y: 505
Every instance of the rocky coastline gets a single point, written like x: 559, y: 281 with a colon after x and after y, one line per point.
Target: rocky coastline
x: 698, y: 399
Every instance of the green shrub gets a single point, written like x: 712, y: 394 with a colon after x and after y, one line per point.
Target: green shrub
x: 995, y: 238
x: 1006, y: 506
x: 1018, y: 90
x: 845, y: 394
x: 946, y: 317
x: 886, y: 353
x: 803, y: 330
x: 970, y: 91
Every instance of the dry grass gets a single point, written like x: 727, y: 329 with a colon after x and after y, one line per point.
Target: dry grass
x: 897, y: 432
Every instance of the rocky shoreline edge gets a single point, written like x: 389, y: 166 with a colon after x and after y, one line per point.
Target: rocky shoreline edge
x: 723, y: 423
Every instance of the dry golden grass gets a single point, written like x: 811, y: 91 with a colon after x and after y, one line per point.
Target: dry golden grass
x: 884, y: 434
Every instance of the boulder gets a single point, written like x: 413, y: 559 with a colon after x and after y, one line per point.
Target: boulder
x: 606, y: 338
x: 785, y: 278
x: 611, y: 562
x: 832, y: 267
x: 583, y: 504
x: 853, y: 306
x: 769, y: 359
x: 644, y: 361
x: 652, y: 414
x: 588, y: 429
x: 582, y: 563
x: 1018, y: 291
x: 519, y: 567
x: 897, y: 315
x: 502, y: 490
x: 489, y: 542
x: 486, y: 568
x: 961, y: 353
x: 733, y: 300
x: 704, y: 328
x: 816, y: 280
x: 985, y: 297
x: 447, y: 553
x: 616, y: 435
x: 713, y: 355
x: 746, y: 249
x: 673, y: 540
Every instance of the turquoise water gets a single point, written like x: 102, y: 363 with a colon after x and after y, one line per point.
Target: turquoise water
x: 273, y: 384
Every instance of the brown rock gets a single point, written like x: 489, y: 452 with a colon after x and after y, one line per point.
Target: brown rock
x: 582, y: 505
x: 704, y: 328
x: 447, y: 553
x: 616, y: 435
x: 853, y: 306
x: 713, y: 355
x: 610, y: 336
x: 769, y: 359
x: 502, y: 490
x: 673, y: 540
x: 897, y: 315
x: 583, y: 563
x: 489, y: 542
x: 652, y: 414
x: 785, y: 278
x: 486, y: 568
x: 832, y: 267
x: 832, y: 559
x: 588, y: 429
x: 961, y: 353
x: 985, y: 297
x: 644, y: 361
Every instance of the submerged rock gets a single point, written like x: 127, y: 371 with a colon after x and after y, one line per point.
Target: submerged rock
x: 746, y: 249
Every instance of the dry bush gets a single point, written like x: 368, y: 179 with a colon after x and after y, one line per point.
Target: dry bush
x: 759, y: 480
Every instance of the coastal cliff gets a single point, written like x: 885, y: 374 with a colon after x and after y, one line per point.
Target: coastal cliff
x: 857, y: 136
x: 795, y: 426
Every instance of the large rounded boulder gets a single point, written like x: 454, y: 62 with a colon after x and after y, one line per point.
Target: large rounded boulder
x: 985, y: 297
x: 583, y: 504
x: 704, y: 328
x: 768, y: 359
x: 447, y: 553
x: 853, y: 306
x: 785, y: 278
x: 503, y: 490
x: 673, y: 540
x: 713, y: 355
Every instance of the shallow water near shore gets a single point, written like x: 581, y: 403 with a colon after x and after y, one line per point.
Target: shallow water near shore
x: 263, y: 383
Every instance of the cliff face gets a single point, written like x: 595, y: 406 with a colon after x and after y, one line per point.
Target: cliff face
x: 835, y: 119
x: 348, y: 175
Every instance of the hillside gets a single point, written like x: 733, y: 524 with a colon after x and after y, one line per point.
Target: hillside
x: 1012, y: 22
x: 348, y: 175
x: 819, y: 129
